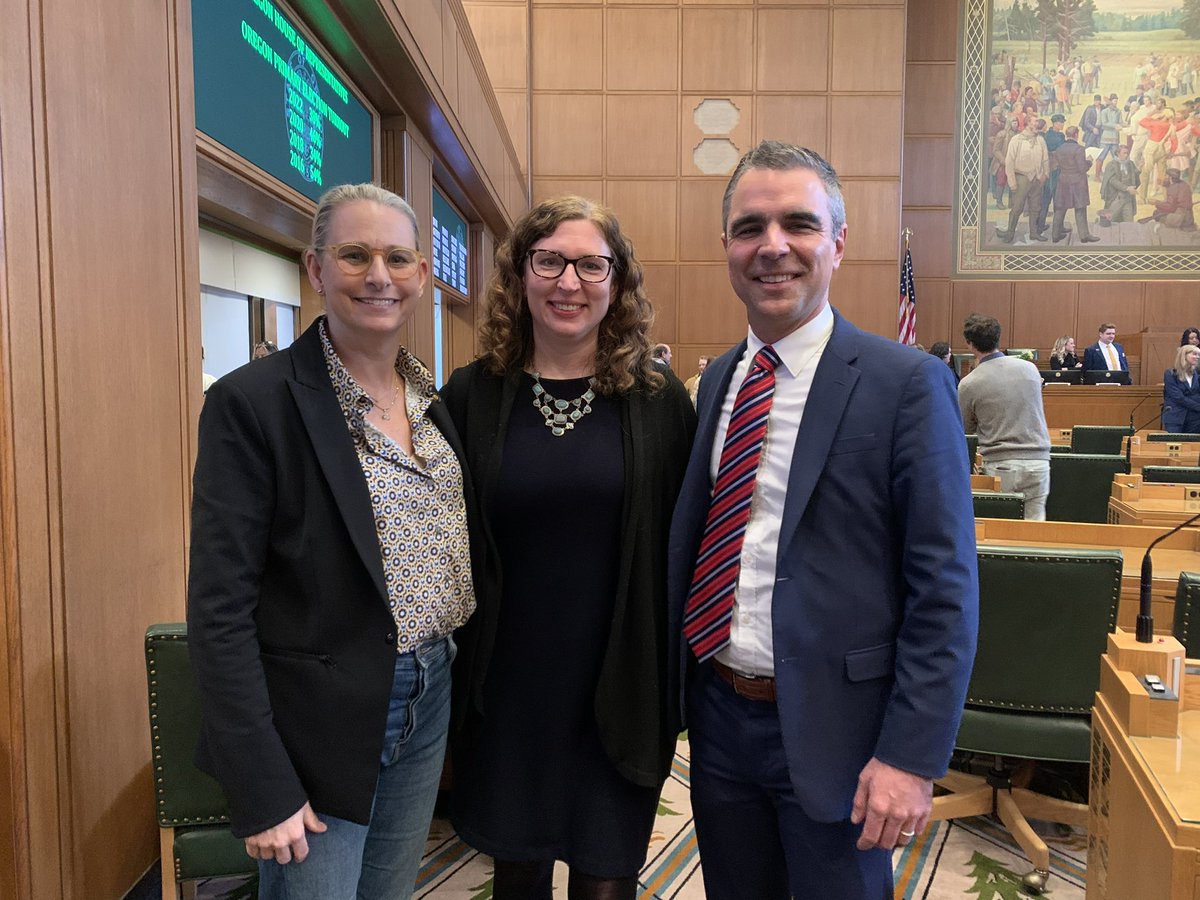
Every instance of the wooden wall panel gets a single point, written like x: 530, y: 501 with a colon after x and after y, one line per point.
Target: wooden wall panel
x: 661, y: 282
x: 1119, y: 302
x: 928, y: 105
x: 709, y: 311
x: 566, y: 137
x: 798, y: 119
x: 718, y: 50
x: 498, y: 29
x: 933, y: 311
x: 647, y: 210
x: 593, y: 188
x: 642, y: 50
x: 873, y: 208
x: 639, y: 137
x: 929, y: 167
x: 931, y: 244
x: 868, y: 50
x: 1170, y: 303
x: 700, y: 220
x: 933, y: 30
x: 865, y: 135
x: 991, y: 298
x: 567, y: 49
x: 865, y: 293
x: 1042, y: 310
x: 793, y: 50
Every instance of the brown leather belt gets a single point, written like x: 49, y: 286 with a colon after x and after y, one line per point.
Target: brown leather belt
x: 752, y: 687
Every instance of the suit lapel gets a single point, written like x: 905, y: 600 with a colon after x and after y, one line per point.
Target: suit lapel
x: 326, y: 426
x: 833, y: 383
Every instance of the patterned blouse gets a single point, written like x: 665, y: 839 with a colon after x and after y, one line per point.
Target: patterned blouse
x: 420, y: 516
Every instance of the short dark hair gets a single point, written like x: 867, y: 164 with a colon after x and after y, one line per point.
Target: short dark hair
x: 783, y: 157
x: 1104, y: 326
x: 939, y: 349
x: 982, y: 332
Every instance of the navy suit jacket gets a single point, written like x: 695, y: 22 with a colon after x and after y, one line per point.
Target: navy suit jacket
x: 1181, y: 404
x: 875, y: 608
x: 1093, y: 358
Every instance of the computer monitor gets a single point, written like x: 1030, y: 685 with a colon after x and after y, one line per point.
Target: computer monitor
x: 1061, y: 376
x: 1105, y: 376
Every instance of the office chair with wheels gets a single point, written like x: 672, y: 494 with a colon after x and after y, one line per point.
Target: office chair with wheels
x: 193, y: 817
x: 1044, y: 618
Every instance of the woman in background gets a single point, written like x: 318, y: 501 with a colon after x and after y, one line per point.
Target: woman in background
x: 1190, y: 336
x: 1181, y: 393
x: 941, y: 350
x: 566, y: 692
x: 319, y: 611
x: 1063, y: 354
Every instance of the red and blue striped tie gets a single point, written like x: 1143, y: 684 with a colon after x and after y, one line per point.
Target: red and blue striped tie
x: 710, y: 600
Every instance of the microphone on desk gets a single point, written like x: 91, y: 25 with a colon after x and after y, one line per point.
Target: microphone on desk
x: 1145, y: 619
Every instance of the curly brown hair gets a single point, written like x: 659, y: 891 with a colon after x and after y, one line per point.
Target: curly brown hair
x: 623, y: 345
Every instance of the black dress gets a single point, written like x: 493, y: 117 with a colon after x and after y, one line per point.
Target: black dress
x: 532, y: 781
x: 1069, y: 361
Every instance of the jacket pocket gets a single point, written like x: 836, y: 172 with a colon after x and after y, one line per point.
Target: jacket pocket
x: 853, y: 444
x: 302, y: 655
x: 871, y: 662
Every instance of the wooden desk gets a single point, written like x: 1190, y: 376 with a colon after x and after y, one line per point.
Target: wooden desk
x: 1179, y: 552
x: 1133, y: 502
x: 1087, y: 404
x: 985, y: 483
x: 1161, y: 453
x: 1144, y: 830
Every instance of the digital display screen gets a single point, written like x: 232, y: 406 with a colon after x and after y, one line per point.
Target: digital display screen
x: 449, y: 245
x: 265, y: 93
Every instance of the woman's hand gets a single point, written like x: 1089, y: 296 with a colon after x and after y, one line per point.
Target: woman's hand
x: 286, y: 841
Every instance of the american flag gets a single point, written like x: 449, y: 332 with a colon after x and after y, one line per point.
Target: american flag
x: 906, y: 332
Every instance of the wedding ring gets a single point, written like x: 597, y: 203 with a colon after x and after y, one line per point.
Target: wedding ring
x: 907, y: 833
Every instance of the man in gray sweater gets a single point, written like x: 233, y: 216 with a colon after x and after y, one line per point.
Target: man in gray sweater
x: 1001, y: 400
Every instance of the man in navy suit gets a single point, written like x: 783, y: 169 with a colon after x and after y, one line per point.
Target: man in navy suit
x: 834, y: 698
x: 1105, y: 353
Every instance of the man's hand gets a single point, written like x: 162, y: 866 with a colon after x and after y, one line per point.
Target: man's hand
x: 286, y: 841
x: 892, y: 804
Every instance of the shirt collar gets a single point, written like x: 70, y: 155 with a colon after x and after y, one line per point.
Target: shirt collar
x: 797, y: 348
x: 356, y: 402
x: 995, y: 354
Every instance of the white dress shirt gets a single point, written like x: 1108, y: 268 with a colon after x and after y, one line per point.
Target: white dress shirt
x: 750, y: 649
x: 1110, y: 354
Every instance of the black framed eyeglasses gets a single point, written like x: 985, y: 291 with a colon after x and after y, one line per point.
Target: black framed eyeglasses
x: 549, y: 264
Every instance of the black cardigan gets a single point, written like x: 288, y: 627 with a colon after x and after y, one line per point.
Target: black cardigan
x: 635, y: 705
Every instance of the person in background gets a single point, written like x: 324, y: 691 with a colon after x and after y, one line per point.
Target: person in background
x: 578, y: 442
x: 1190, y: 336
x: 319, y: 617
x: 661, y: 355
x: 1063, y: 354
x: 1181, y: 393
x: 941, y: 349
x: 693, y: 384
x: 264, y: 348
x: 1106, y: 353
x: 1001, y: 401
x: 825, y: 677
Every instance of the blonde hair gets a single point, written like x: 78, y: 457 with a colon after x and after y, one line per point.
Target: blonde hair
x: 1181, y: 371
x: 1060, y: 348
x: 623, y: 344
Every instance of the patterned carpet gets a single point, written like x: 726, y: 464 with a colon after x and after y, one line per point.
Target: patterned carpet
x: 973, y: 859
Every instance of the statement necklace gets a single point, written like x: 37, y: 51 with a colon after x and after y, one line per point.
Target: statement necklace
x: 385, y: 412
x: 558, y: 420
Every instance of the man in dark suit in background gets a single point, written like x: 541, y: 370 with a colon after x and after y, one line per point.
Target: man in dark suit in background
x: 823, y: 570
x: 1106, y: 353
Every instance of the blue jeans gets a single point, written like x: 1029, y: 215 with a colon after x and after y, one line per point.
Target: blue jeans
x: 379, y: 861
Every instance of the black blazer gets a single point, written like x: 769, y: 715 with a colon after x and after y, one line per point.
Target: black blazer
x: 1069, y: 361
x: 635, y: 709
x: 289, y: 630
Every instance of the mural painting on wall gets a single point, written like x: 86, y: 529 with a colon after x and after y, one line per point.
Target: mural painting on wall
x: 1080, y: 138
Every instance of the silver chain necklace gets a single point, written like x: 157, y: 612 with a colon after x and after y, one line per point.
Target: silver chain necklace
x: 555, y: 412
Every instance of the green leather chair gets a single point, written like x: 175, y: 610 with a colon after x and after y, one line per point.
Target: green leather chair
x: 1167, y: 438
x: 1080, y: 486
x: 998, y: 505
x: 1098, y: 438
x: 193, y: 817
x: 1187, y: 613
x: 1044, y: 620
x: 972, y: 449
x: 1172, y: 474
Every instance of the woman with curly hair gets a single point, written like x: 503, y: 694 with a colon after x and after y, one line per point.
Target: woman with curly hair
x: 565, y: 720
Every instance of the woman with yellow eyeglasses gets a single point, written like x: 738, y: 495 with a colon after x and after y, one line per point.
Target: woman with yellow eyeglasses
x: 329, y: 566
